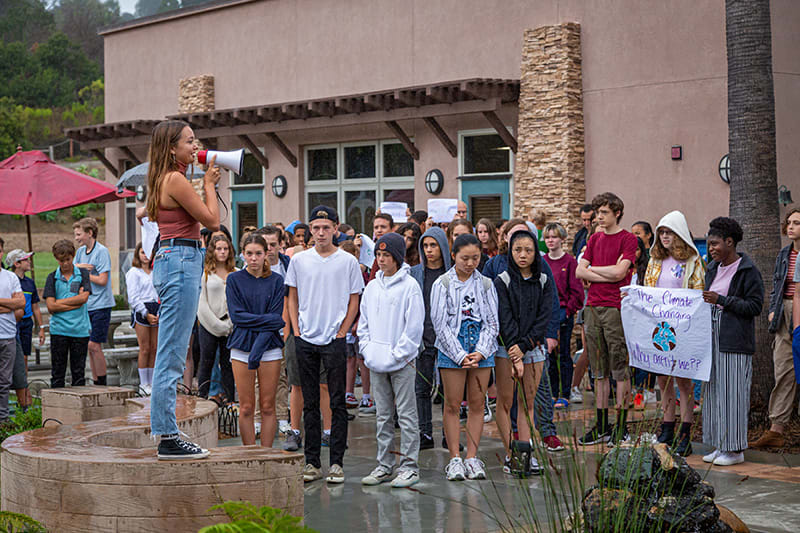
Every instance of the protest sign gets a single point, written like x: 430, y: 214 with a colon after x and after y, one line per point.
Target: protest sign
x: 149, y: 236
x: 396, y: 209
x: 668, y: 331
x: 367, y: 255
x: 442, y: 209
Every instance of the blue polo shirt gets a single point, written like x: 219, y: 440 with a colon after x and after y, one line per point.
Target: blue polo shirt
x: 73, y: 323
x: 100, y: 259
x: 31, y: 295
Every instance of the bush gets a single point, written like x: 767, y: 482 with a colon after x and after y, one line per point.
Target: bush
x: 19, y: 523
x: 120, y: 302
x: 30, y: 419
x: 79, y: 211
x: 245, y: 516
x: 48, y: 216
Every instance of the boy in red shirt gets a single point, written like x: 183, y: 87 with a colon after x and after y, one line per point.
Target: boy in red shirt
x: 606, y: 264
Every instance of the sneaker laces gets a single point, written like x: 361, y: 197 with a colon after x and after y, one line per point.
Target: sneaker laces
x: 453, y: 464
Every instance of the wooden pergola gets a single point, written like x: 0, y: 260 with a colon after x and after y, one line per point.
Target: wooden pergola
x: 425, y: 102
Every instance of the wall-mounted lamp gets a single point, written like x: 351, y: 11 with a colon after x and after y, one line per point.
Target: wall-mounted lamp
x: 141, y: 193
x: 279, y: 186
x: 784, y: 195
x: 724, y: 169
x: 434, y: 181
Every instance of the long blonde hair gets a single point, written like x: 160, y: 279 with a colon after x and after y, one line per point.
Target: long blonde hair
x: 165, y: 136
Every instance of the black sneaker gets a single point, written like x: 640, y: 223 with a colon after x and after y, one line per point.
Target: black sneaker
x: 425, y: 441
x: 618, y: 436
x: 462, y: 413
x: 176, y: 449
x: 684, y: 447
x: 594, y: 436
x: 326, y: 439
x: 444, y: 444
x: 667, y: 433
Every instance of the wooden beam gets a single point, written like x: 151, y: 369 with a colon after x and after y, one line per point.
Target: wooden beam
x: 501, y: 130
x: 403, y: 138
x: 106, y: 163
x: 250, y: 145
x: 340, y: 120
x: 282, y: 148
x: 440, y: 134
x: 128, y: 152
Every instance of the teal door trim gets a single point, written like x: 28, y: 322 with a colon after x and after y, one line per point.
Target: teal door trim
x: 245, y: 196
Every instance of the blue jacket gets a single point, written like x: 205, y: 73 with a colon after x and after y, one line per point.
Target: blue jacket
x: 499, y: 264
x: 255, y: 306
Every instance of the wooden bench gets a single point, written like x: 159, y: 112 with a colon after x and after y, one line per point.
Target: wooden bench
x: 103, y: 475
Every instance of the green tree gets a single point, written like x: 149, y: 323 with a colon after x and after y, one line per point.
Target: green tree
x: 145, y: 8
x: 80, y: 21
x: 11, y: 133
x: 25, y: 21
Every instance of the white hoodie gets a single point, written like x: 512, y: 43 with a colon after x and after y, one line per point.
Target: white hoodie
x: 390, y: 326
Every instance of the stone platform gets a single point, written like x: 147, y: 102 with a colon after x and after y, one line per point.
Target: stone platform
x: 103, y: 475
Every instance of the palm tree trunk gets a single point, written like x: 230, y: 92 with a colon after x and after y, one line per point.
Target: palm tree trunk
x: 751, y: 142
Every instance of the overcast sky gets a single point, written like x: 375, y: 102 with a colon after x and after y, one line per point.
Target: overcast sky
x: 127, y: 6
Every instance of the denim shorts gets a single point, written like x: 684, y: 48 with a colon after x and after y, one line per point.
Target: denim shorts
x: 468, y: 337
x: 537, y: 355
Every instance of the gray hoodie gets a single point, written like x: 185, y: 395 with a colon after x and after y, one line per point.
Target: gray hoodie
x: 421, y: 271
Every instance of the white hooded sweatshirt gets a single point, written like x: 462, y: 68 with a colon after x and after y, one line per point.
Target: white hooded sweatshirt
x: 390, y: 326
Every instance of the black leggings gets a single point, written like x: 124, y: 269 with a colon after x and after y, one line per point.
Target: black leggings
x: 208, y: 352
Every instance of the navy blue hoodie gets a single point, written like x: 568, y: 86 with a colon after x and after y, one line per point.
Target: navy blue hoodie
x: 421, y: 271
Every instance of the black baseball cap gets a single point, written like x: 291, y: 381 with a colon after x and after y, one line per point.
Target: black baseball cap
x: 324, y: 212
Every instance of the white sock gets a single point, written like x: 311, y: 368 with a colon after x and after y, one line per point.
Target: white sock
x: 365, y: 395
x: 142, y: 376
x: 150, y: 376
x: 327, y: 431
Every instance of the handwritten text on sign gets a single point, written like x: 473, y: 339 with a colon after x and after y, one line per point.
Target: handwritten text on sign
x: 668, y: 331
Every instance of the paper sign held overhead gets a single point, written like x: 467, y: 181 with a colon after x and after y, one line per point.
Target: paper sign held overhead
x: 367, y: 255
x: 442, y: 209
x: 396, y: 209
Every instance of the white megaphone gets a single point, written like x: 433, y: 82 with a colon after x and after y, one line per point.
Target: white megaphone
x: 231, y: 160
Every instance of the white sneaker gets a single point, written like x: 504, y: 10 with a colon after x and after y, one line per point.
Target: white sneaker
x: 377, y: 476
x: 729, y: 458
x: 284, y: 426
x: 405, y: 478
x: 711, y: 457
x: 487, y: 411
x: 257, y: 427
x: 455, y: 470
x: 147, y: 389
x: 650, y: 396
x: 575, y: 395
x: 475, y: 468
x: 536, y: 468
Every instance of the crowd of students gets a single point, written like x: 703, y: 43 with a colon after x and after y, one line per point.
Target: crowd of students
x: 480, y: 314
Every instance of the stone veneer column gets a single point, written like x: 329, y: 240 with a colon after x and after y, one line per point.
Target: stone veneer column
x: 196, y: 94
x: 549, y: 166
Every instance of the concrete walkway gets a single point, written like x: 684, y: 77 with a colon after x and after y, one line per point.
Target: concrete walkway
x: 764, y: 492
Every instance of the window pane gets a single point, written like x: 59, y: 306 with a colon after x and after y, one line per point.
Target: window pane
x: 322, y: 164
x: 359, y: 162
x: 485, y: 154
x: 246, y: 215
x: 360, y: 208
x: 397, y: 161
x: 328, y: 199
x: 251, y: 172
x: 400, y: 195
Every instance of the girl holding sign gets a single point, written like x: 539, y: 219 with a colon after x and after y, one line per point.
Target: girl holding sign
x: 736, y: 291
x: 675, y: 263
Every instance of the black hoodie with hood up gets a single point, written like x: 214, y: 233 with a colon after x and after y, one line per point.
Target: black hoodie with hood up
x: 524, y: 306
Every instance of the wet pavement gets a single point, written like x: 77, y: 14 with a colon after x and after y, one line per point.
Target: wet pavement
x: 764, y: 492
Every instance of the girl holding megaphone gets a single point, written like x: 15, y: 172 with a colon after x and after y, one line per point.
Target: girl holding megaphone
x: 177, y: 267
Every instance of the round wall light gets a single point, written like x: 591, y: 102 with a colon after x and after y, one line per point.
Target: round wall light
x: 725, y: 169
x: 279, y: 186
x: 434, y: 181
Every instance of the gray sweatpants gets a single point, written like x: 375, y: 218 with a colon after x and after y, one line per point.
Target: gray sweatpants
x: 392, y: 390
x: 8, y: 353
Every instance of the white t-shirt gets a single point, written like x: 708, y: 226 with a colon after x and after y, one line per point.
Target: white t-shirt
x: 9, y: 285
x: 469, y: 303
x: 324, y: 286
x: 278, y: 269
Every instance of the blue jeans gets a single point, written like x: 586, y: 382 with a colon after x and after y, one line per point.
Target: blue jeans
x: 468, y: 336
x: 176, y: 278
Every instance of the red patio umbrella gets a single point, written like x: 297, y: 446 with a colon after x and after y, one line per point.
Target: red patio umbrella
x: 30, y: 183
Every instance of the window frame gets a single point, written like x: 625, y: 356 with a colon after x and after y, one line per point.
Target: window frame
x: 479, y: 133
x: 232, y: 175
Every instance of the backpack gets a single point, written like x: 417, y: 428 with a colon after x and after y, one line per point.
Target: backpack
x: 505, y: 277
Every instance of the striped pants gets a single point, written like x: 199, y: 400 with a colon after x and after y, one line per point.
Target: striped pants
x: 726, y: 404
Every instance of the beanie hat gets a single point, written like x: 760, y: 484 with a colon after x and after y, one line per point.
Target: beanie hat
x: 395, y: 244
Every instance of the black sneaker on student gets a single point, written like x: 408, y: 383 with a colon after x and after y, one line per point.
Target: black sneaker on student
x: 177, y: 449
x: 425, y: 441
x: 618, y: 436
x: 444, y: 444
x: 595, y: 436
